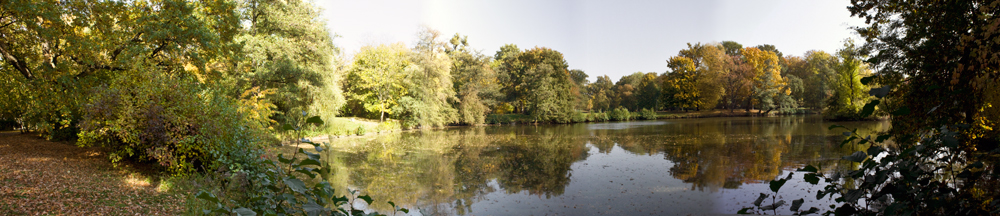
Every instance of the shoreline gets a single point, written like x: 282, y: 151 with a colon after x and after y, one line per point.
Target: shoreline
x: 660, y: 116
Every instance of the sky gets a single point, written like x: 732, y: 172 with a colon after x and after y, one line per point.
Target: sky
x: 613, y: 38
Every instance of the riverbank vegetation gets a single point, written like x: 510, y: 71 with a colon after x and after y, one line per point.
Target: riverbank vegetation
x: 208, y: 86
x: 935, y: 73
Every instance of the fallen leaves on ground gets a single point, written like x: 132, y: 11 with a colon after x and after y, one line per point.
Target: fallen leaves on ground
x: 39, y: 177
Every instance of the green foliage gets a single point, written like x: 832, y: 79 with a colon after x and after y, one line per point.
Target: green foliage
x: 297, y: 185
x: 850, y: 94
x: 289, y: 49
x: 646, y: 114
x: 171, y: 121
x: 620, y: 114
x: 429, y: 85
x: 474, y: 81
x: 360, y: 131
x: 375, y: 82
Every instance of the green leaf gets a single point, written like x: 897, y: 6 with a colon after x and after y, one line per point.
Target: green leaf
x: 287, y: 127
x: 812, y: 178
x: 207, y: 196
x: 244, y: 212
x: 309, y: 162
x: 808, y: 168
x: 867, y: 79
x: 882, y: 138
x: 759, y: 199
x: 311, y: 208
x: 392, y: 204
x: 879, y: 92
x: 874, y: 150
x: 319, y: 148
x: 901, y: 111
x: 314, y: 120
x: 744, y: 211
x: 366, y: 198
x: 404, y: 210
x: 869, y: 108
x: 858, y: 156
x: 812, y: 210
x: 776, y: 184
x: 295, y: 184
x: 796, y: 204
x: 773, y: 206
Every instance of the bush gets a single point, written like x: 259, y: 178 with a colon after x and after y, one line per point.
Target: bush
x: 620, y: 114
x: 360, y: 131
x: 174, y: 122
x: 599, y: 116
x: 579, y: 117
x: 647, y: 114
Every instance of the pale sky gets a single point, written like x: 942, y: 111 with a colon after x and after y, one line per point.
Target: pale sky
x: 613, y: 38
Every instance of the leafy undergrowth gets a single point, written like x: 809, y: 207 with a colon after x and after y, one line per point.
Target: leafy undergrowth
x: 39, y: 177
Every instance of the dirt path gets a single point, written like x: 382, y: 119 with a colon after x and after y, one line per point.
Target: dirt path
x: 39, y: 177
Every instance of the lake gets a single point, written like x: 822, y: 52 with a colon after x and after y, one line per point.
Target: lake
x: 665, y: 167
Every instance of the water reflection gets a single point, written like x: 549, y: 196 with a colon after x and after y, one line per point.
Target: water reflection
x: 675, y: 166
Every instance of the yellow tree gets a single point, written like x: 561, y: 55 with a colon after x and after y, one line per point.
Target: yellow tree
x: 374, y: 83
x: 768, y: 85
x: 680, y: 87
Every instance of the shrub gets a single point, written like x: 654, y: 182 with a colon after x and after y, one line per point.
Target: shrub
x: 174, y: 122
x: 579, y: 116
x: 359, y: 131
x: 647, y: 114
x: 599, y: 116
x: 620, y: 114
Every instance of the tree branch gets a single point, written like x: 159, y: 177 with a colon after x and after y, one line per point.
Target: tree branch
x: 114, y: 55
x: 13, y: 60
x: 159, y: 48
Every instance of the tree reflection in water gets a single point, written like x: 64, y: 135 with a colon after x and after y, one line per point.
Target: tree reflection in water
x: 448, y: 171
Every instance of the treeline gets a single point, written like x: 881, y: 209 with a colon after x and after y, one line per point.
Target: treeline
x: 172, y: 81
x: 437, y: 83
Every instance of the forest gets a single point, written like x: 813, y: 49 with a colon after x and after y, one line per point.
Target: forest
x: 192, y: 86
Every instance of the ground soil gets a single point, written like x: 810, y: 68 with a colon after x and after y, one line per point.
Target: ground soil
x: 39, y: 177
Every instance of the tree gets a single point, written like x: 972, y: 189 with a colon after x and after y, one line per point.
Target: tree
x: 627, y: 91
x: 474, y: 81
x: 374, y: 84
x: 510, y: 71
x: 680, y: 88
x: 942, y: 56
x: 768, y: 85
x: 288, y: 48
x: 849, y: 93
x: 737, y: 81
x: 552, y: 94
x: 61, y: 50
x: 430, y: 91
x: 601, y: 92
x: 732, y: 48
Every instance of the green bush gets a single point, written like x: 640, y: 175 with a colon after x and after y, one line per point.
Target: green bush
x: 599, y: 116
x: 620, y: 114
x: 174, y: 122
x: 579, y: 117
x: 359, y: 131
x: 647, y: 114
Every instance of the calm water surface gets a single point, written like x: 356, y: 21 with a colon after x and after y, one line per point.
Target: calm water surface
x: 668, y: 167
